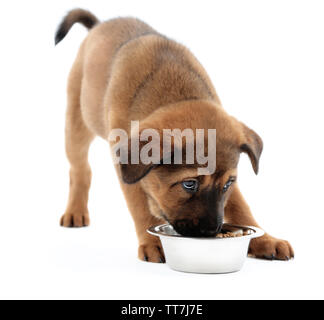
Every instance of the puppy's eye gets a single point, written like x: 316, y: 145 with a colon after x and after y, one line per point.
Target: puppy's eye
x: 228, y: 184
x: 190, y: 186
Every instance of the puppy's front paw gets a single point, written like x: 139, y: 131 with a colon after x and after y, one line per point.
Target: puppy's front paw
x: 271, y: 248
x: 151, y: 252
x: 75, y: 220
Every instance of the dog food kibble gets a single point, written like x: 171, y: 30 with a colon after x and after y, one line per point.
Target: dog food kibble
x: 232, y: 232
x: 229, y: 235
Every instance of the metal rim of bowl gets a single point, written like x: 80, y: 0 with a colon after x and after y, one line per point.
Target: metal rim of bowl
x: 157, y: 231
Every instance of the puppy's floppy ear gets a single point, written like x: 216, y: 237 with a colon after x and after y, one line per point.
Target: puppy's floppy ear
x: 133, y: 172
x: 252, y: 145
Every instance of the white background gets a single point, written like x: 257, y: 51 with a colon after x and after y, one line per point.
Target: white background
x: 266, y: 59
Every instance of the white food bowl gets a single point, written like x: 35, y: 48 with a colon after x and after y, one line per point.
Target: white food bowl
x: 205, y: 255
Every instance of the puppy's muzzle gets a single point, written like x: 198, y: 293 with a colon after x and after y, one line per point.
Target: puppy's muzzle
x: 204, y: 228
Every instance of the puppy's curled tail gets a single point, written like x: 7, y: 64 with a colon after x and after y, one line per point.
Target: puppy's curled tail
x: 77, y: 15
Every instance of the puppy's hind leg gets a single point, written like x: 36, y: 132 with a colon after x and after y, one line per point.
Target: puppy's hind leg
x: 78, y: 140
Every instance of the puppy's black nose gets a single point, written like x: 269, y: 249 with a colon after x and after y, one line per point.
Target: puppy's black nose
x: 187, y: 228
x: 209, y: 232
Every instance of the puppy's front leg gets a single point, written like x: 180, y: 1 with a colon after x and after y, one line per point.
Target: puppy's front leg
x: 150, y: 248
x: 267, y: 247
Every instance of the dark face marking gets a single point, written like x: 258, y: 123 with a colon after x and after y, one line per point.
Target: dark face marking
x: 209, y: 204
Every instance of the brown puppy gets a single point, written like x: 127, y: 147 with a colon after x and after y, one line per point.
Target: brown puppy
x: 127, y: 71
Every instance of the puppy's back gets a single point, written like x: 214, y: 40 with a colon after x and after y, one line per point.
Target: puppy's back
x: 129, y: 70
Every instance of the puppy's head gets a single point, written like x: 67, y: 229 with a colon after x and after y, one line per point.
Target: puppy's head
x: 193, y: 203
